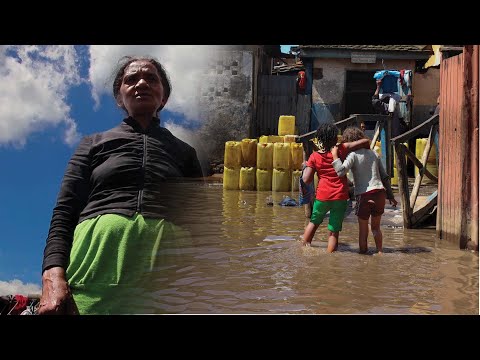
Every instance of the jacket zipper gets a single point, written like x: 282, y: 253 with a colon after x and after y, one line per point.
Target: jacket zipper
x: 140, y: 192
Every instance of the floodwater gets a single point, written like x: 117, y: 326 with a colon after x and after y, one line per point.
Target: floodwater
x: 244, y: 257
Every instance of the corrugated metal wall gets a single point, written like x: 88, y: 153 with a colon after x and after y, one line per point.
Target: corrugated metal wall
x: 277, y: 95
x: 457, y: 216
x: 452, y: 136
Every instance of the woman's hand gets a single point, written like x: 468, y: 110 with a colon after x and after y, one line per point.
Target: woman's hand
x: 334, y: 151
x: 393, y: 202
x: 56, y: 296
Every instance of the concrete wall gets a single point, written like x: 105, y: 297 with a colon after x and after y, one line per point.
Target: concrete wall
x: 426, y: 88
x: 225, y: 99
x: 327, y: 90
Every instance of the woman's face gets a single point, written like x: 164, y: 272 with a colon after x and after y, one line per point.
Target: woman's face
x: 141, y: 91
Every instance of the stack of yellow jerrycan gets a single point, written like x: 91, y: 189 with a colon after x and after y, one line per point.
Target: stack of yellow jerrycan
x: 284, y: 154
x: 431, y: 160
x: 265, y: 162
x: 281, y: 167
x: 249, y: 163
x: 296, y: 151
x: 273, y: 162
x: 232, y: 163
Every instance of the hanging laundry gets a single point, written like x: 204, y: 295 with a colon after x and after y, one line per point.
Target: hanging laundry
x: 405, y: 83
x: 379, y: 75
x: 18, y: 305
x: 301, y: 80
x: 389, y: 80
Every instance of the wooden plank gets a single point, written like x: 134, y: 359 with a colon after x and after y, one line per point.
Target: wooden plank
x: 416, y: 130
x: 421, y: 214
x: 346, y: 122
x: 474, y: 228
x: 418, y: 179
x: 376, y: 134
x: 464, y: 148
x: 308, y: 135
x: 418, y: 164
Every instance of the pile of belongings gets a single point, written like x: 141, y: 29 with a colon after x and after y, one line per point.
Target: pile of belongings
x: 19, y: 304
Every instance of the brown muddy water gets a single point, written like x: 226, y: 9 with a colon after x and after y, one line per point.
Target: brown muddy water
x: 244, y: 257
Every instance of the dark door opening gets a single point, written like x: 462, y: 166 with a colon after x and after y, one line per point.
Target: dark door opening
x: 359, y: 88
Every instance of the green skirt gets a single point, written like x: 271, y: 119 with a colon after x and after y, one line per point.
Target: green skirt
x: 112, y: 261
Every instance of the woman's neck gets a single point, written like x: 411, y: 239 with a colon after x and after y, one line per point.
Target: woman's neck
x: 143, y: 120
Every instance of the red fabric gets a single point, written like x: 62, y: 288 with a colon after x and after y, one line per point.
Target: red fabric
x: 302, y: 81
x: 21, y: 302
x: 402, y: 75
x: 330, y: 186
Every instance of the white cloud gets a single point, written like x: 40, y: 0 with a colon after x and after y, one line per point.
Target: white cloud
x: 184, y: 65
x: 186, y: 135
x: 35, y: 81
x: 17, y: 287
x: 180, y: 132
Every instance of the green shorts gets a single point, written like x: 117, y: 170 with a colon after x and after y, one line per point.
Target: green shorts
x: 337, y: 210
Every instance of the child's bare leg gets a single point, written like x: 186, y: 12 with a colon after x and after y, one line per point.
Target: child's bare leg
x: 332, y: 241
x: 377, y: 233
x: 308, y: 234
x: 362, y: 235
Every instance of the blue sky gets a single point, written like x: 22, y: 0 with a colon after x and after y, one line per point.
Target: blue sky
x: 52, y: 96
x: 285, y: 48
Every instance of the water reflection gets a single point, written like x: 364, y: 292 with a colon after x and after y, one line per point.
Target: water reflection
x: 243, y: 256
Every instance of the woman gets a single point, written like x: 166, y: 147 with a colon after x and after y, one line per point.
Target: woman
x: 116, y: 202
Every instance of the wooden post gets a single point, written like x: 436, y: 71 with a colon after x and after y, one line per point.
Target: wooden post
x: 465, y: 147
x: 471, y: 53
x: 385, y: 135
x: 403, y: 185
x: 474, y: 160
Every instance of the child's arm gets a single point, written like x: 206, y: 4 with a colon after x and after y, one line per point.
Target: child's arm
x: 355, y: 145
x: 308, y: 174
x: 386, y: 183
x: 341, y: 169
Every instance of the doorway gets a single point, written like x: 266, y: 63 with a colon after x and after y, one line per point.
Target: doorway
x: 359, y: 88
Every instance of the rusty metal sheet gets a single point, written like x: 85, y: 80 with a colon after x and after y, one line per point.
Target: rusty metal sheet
x: 451, y: 139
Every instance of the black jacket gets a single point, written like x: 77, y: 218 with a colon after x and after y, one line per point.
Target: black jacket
x: 120, y: 171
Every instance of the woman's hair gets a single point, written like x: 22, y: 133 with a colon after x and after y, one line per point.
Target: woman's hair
x: 352, y: 134
x: 127, y: 60
x: 327, y: 135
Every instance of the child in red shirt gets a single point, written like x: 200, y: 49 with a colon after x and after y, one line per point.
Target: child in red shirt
x: 332, y: 190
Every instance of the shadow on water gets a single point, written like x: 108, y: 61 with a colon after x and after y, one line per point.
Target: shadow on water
x: 343, y: 247
x: 245, y: 257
